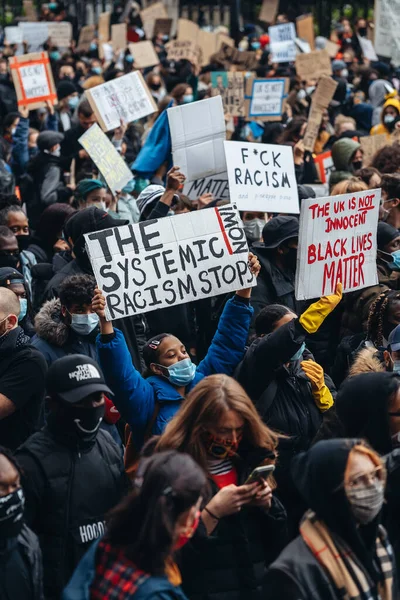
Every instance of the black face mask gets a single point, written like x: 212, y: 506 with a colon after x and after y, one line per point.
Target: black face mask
x: 155, y: 86
x: 362, y: 31
x: 79, y: 425
x: 8, y: 260
x: 23, y: 241
x: 291, y: 258
x: 356, y: 166
x: 11, y: 514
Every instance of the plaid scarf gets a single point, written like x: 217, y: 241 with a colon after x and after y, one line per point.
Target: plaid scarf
x: 116, y: 577
x: 349, y: 576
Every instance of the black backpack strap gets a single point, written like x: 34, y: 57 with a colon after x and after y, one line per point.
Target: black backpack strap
x: 266, y: 399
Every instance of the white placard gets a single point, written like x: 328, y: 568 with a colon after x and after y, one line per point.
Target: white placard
x: 60, y: 33
x: 35, y: 34
x: 303, y: 46
x: 387, y: 24
x: 14, y: 35
x: 267, y: 98
x: 367, y: 48
x: 197, y: 136
x: 163, y: 262
x: 282, y: 42
x: 34, y: 81
x: 126, y: 98
x: 337, y: 243
x: 217, y: 185
x: 262, y: 177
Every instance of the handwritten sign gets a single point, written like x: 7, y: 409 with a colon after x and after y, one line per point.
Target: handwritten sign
x: 169, y: 261
x: 86, y: 36
x: 313, y: 65
x: 230, y: 86
x: 106, y: 158
x: 35, y: 34
x: 262, y: 177
x: 118, y: 36
x: 282, y: 42
x: 184, y: 50
x: 162, y: 26
x: 371, y: 144
x: 324, y: 164
x: 33, y: 79
x: 150, y: 14
x: 367, y: 48
x: 14, y: 35
x: 337, y: 243
x: 60, y: 33
x: 217, y: 185
x: 264, y: 98
x: 144, y: 54
x: 127, y: 98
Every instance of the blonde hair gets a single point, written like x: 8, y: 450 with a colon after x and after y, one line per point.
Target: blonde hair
x: 340, y: 119
x: 348, y: 186
x: 365, y: 450
x: 203, y: 408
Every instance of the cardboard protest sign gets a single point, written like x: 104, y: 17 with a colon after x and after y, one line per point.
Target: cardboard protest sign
x: 127, y: 98
x: 313, y: 124
x: 170, y: 261
x: 303, y: 46
x: 282, y: 42
x: 144, y: 54
x: 60, y: 33
x: 106, y: 158
x: 86, y: 36
x: 265, y: 97
x: 118, y: 36
x: 370, y: 144
x: 228, y: 56
x: 367, y: 48
x: 325, y: 91
x: 383, y: 31
x: 14, y: 35
x: 104, y: 27
x: 268, y: 11
x: 337, y: 243
x: 150, y: 14
x: 324, y: 164
x: 332, y: 48
x: 33, y: 79
x: 313, y: 65
x: 187, y: 30
x: 35, y: 34
x: 217, y: 185
x: 184, y: 49
x: 305, y: 29
x: 29, y: 10
x: 262, y: 177
x: 197, y: 137
x: 208, y: 42
x: 230, y: 86
x: 162, y: 26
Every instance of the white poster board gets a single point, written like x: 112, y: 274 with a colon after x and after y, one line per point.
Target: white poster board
x: 60, y: 33
x: 14, y: 35
x: 337, y: 243
x: 282, y: 39
x: 127, y: 98
x: 387, y: 24
x: 197, y: 136
x: 169, y: 261
x: 267, y: 98
x: 217, y: 185
x: 35, y: 34
x: 367, y: 48
x: 34, y: 81
x: 262, y: 177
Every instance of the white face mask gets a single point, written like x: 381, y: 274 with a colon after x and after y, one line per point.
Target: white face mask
x: 253, y: 229
x: 388, y: 119
x: 344, y: 73
x: 56, y: 152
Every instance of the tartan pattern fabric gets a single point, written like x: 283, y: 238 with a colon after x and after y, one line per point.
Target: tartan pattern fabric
x: 116, y: 577
x: 350, y: 578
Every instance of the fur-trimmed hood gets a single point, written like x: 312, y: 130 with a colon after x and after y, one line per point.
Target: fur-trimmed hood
x: 367, y: 361
x: 49, y: 325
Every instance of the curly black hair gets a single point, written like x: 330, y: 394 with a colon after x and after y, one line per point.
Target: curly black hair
x: 387, y: 159
x: 77, y: 289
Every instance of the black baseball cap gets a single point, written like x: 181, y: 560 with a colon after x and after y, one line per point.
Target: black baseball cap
x: 74, y: 377
x: 278, y: 230
x: 88, y: 220
x: 9, y: 275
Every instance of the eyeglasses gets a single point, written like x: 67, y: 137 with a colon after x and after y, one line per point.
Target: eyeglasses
x: 366, y: 478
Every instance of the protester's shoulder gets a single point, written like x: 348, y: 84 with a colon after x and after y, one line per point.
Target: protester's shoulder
x: 159, y: 588
x: 32, y: 357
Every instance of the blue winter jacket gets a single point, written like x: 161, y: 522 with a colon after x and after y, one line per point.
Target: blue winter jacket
x: 154, y: 588
x: 136, y: 397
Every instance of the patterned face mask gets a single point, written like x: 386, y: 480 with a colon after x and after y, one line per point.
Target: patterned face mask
x: 220, y: 448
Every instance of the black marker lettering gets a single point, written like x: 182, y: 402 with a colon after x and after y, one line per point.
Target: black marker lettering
x: 116, y: 281
x: 146, y: 237
x: 101, y: 237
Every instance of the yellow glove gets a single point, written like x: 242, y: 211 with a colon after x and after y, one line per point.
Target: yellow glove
x: 315, y: 315
x: 322, y: 395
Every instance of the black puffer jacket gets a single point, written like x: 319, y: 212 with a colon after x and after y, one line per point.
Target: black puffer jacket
x: 68, y: 493
x: 230, y: 563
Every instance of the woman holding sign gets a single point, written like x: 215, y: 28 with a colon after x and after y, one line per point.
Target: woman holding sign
x: 147, y: 404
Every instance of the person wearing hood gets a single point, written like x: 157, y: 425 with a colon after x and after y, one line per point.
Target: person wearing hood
x: 361, y: 112
x: 390, y: 111
x: 22, y: 376
x: 90, y: 192
x: 68, y: 100
x: 347, y: 159
x: 379, y: 91
x: 368, y: 406
x: 73, y: 470
x: 10, y: 244
x: 253, y: 225
x: 342, y: 551
x: 340, y: 74
x: 388, y: 256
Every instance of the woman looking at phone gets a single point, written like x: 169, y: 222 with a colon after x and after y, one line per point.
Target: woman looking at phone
x: 243, y: 526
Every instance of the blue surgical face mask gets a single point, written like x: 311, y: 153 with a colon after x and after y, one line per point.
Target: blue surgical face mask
x: 299, y: 353
x: 23, y: 307
x: 93, y: 46
x: 187, y: 98
x: 129, y: 58
x: 84, y: 324
x: 73, y: 102
x: 395, y: 264
x: 396, y: 366
x: 255, y: 45
x: 97, y: 70
x: 55, y: 55
x: 181, y: 373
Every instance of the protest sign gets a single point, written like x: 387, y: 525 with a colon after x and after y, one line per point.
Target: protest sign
x: 230, y: 86
x: 104, y: 27
x: 208, y: 42
x: 337, y: 243
x: 144, y: 54
x: 313, y: 124
x: 367, y: 48
x: 282, y: 42
x: 33, y: 79
x: 29, y: 10
x: 162, y: 26
x: 217, y: 185
x: 303, y: 46
x: 324, y: 164
x: 125, y: 98
x: 228, y: 56
x: 184, y: 50
x: 60, y: 33
x: 370, y: 144
x: 313, y: 65
x: 106, y: 158
x: 332, y: 48
x: 35, y: 34
x: 268, y: 11
x: 325, y: 91
x: 197, y: 137
x: 305, y: 29
x: 187, y: 30
x: 170, y: 261
x: 264, y: 98
x: 150, y: 14
x: 86, y: 36
x: 262, y: 177
x: 387, y: 23
x: 14, y: 35
x: 118, y: 36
